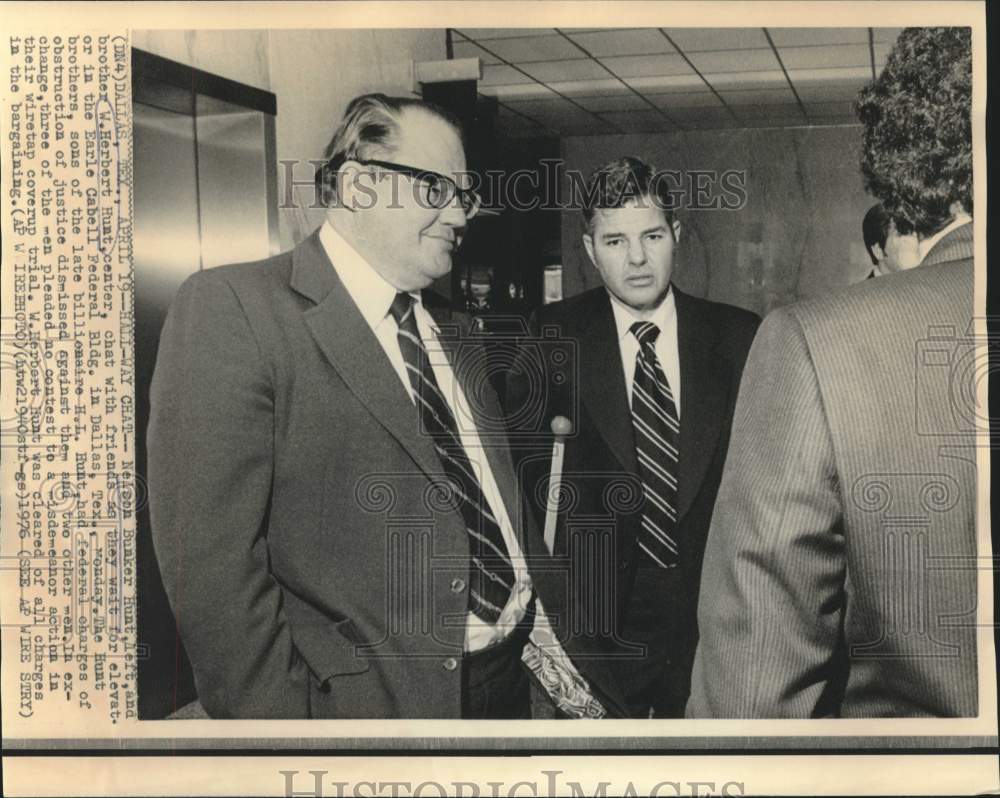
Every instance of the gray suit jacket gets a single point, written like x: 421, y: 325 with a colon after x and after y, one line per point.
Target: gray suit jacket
x: 312, y: 568
x: 839, y: 575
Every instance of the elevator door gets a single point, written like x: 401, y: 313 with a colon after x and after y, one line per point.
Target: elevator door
x: 204, y: 195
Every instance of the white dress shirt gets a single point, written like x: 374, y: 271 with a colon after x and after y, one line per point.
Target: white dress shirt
x: 373, y: 296
x: 664, y: 317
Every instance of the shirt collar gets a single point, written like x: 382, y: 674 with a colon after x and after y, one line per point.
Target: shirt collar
x: 927, y: 244
x: 371, y: 292
x: 625, y: 317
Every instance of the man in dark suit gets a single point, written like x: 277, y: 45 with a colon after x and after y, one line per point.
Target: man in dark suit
x: 649, y: 390
x: 333, y: 502
x: 840, y: 574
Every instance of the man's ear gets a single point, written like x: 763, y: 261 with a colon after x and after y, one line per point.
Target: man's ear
x: 588, y: 244
x: 675, y: 225
x: 957, y: 209
x: 356, y: 187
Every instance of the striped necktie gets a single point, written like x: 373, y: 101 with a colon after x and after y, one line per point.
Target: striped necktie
x: 657, y: 437
x: 491, y: 575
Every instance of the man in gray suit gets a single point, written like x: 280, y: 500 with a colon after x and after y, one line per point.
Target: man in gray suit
x: 332, y: 498
x: 840, y: 571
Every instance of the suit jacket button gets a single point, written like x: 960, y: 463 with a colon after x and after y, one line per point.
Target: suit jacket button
x: 450, y: 664
x: 457, y: 585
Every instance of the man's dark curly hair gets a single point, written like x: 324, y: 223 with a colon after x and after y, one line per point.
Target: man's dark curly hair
x: 917, y: 148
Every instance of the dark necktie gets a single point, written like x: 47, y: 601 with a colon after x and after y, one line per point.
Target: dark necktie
x: 491, y: 576
x: 657, y: 439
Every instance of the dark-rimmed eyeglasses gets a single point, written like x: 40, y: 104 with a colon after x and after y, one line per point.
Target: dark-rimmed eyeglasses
x: 439, y: 190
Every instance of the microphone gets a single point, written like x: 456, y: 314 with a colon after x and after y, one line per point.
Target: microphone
x: 561, y: 427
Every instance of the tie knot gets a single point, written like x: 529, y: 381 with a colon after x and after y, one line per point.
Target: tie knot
x: 645, y: 332
x: 401, y: 307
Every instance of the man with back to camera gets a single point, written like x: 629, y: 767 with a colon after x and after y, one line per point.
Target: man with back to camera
x: 840, y: 572
x: 650, y: 403
x: 891, y: 244
x: 302, y: 403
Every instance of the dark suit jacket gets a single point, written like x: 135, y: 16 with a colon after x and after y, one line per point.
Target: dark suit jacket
x: 312, y: 569
x: 574, y: 368
x: 840, y: 574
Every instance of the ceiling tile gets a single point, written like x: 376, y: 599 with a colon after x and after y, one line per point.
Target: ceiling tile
x: 839, y: 109
x: 886, y: 34
x: 830, y: 76
x: 691, y: 40
x: 756, y: 79
x: 507, y: 112
x: 706, y: 113
x: 638, y: 120
x: 559, y: 71
x: 734, y: 61
x: 834, y: 92
x: 825, y: 56
x: 526, y: 133
x: 699, y: 118
x: 564, y: 121
x: 712, y: 124
x: 519, y: 91
x: 588, y: 88
x: 534, y: 48
x: 470, y: 50
x: 634, y: 66
x: 512, y: 121
x: 882, y: 50
x: 614, y: 102
x: 500, y: 75
x: 624, y: 42
x: 767, y: 111
x: 688, y: 99
x: 791, y: 37
x: 595, y: 129
x: 503, y: 33
x: 551, y: 108
x: 775, y: 96
x: 667, y: 83
x: 776, y: 120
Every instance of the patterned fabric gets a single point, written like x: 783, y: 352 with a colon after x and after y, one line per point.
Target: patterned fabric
x: 550, y: 667
x: 491, y: 575
x: 657, y: 446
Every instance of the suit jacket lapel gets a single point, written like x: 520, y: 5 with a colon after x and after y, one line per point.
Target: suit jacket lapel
x: 704, y: 395
x: 348, y: 343
x: 602, y: 383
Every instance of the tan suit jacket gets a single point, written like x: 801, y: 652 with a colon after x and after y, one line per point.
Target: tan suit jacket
x: 839, y: 575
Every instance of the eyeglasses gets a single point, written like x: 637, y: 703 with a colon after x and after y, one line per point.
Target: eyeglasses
x: 439, y: 190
